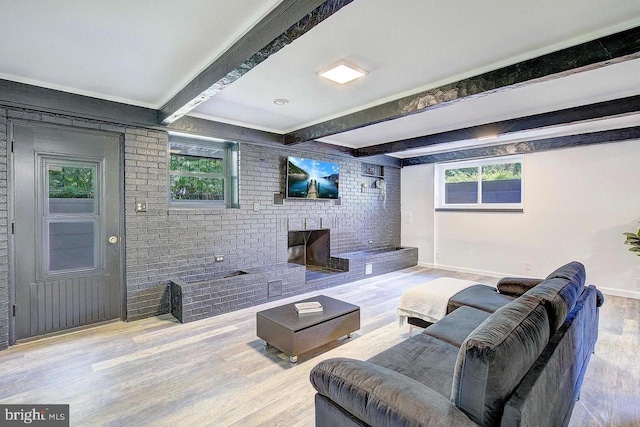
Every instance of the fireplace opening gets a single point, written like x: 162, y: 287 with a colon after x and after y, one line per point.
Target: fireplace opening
x: 310, y: 248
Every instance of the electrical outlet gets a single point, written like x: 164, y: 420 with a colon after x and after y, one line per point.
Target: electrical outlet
x: 527, y: 266
x: 219, y: 258
x: 437, y: 255
x: 638, y: 282
x: 368, y: 268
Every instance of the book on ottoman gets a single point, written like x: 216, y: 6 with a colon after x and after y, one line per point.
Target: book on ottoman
x: 308, y: 307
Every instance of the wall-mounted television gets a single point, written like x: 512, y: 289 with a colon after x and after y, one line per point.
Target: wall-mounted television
x: 312, y: 179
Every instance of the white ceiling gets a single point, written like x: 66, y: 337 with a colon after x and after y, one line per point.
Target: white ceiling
x: 139, y: 52
x: 406, y: 49
x: 142, y: 52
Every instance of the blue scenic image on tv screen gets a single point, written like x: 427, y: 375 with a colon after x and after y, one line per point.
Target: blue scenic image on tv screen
x: 312, y: 179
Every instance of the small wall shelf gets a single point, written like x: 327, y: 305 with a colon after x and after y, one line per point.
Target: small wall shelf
x: 371, y: 174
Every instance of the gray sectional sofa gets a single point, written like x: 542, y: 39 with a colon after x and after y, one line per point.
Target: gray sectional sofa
x: 513, y: 358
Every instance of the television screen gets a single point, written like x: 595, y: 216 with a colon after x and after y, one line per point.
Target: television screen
x: 312, y: 179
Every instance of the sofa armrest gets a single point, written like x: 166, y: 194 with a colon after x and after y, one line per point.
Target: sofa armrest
x: 381, y: 397
x: 516, y: 286
x: 599, y: 299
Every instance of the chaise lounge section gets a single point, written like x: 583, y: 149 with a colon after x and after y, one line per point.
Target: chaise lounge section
x: 520, y: 364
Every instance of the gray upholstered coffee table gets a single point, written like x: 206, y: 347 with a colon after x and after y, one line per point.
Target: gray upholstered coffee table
x: 294, y: 334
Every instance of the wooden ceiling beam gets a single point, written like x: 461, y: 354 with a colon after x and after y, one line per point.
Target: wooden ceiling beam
x: 616, y: 48
x: 599, y: 110
x: 288, y: 21
x: 602, y: 137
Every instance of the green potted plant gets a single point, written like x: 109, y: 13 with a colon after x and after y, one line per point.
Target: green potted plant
x: 633, y: 239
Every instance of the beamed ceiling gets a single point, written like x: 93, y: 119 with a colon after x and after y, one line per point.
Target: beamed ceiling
x: 442, y: 76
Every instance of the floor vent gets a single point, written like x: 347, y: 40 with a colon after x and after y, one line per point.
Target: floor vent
x: 274, y: 288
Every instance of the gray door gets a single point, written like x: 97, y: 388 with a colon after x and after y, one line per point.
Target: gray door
x: 67, y: 228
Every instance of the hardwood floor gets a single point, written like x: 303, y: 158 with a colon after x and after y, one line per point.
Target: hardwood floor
x: 217, y: 372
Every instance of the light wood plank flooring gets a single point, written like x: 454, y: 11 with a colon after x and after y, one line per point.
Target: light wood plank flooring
x: 217, y: 372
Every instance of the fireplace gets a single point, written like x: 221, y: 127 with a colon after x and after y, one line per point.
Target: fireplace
x: 310, y: 248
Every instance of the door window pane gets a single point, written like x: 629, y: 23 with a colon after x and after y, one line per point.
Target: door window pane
x: 502, y: 183
x: 461, y: 185
x: 71, y: 189
x: 71, y: 245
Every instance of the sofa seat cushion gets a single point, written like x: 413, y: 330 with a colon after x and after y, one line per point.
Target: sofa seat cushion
x: 496, y: 356
x: 456, y: 326
x: 423, y: 358
x: 482, y: 297
x: 377, y: 396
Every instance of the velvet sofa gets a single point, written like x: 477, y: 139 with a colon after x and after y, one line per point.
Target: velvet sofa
x: 512, y: 358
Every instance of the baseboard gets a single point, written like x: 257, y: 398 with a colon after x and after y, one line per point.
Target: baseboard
x: 619, y: 292
x: 606, y: 291
x: 478, y: 272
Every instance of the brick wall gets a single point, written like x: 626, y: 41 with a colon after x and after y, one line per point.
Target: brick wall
x: 163, y: 243
x: 4, y: 235
x: 150, y: 242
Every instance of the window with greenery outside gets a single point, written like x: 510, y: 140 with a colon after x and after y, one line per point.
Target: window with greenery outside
x: 494, y: 182
x: 461, y: 185
x: 202, y: 172
x: 196, y: 178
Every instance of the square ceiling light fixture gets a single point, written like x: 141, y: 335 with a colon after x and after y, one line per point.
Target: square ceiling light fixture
x: 343, y: 72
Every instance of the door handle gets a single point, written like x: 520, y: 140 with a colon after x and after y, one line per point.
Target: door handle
x: 113, y: 239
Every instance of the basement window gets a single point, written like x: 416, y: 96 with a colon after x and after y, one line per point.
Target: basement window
x: 492, y: 185
x: 203, y: 173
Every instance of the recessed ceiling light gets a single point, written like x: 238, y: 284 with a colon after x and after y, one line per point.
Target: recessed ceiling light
x: 343, y: 72
x: 280, y: 101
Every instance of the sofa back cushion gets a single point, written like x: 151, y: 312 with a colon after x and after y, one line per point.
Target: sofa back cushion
x: 547, y: 394
x: 574, y: 272
x: 495, y: 357
x: 559, y: 297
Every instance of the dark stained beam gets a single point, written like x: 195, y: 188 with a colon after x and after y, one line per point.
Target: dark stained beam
x: 20, y: 95
x: 384, y: 161
x: 196, y: 126
x: 602, y: 137
x: 201, y: 127
x: 288, y: 21
x: 619, y: 47
x: 597, y: 110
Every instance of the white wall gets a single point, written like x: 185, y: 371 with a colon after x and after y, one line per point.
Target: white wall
x: 578, y: 202
x: 417, y: 210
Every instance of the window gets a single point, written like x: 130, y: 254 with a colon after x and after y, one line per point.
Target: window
x: 202, y: 172
x: 71, y: 216
x: 487, y: 184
